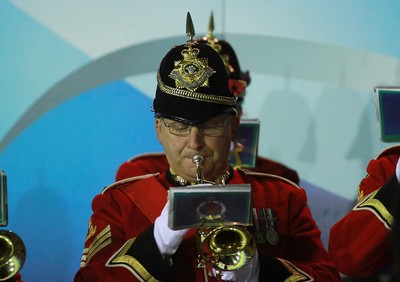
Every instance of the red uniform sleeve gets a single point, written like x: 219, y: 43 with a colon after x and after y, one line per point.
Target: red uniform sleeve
x: 117, y: 237
x: 359, y: 244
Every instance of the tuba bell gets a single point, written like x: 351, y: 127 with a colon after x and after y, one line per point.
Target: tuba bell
x: 12, y: 254
x: 225, y: 247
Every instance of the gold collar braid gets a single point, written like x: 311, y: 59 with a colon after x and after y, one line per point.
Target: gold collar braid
x: 210, y: 98
x: 183, y: 182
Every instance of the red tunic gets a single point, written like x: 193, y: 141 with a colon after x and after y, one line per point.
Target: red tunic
x: 16, y: 278
x: 157, y: 162
x: 359, y: 243
x: 120, y: 245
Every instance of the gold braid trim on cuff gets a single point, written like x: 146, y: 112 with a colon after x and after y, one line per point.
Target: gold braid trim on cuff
x: 376, y: 207
x: 210, y: 98
x: 102, y: 240
x: 297, y: 274
x: 122, y: 259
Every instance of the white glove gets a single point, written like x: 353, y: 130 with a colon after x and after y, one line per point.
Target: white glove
x: 249, y: 273
x: 167, y: 240
x: 398, y: 170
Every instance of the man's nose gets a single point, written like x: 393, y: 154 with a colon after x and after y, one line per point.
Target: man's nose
x: 196, y: 139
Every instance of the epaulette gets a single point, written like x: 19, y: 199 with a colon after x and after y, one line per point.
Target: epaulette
x: 126, y: 181
x: 395, y: 149
x: 146, y: 155
x: 262, y: 174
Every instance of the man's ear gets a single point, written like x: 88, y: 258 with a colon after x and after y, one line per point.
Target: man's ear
x: 157, y: 124
x: 235, y: 125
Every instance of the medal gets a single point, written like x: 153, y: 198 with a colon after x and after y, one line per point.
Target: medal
x: 258, y: 235
x: 265, y: 226
x: 271, y: 233
x: 272, y: 237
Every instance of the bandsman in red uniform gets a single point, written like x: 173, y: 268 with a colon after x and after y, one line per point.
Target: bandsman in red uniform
x: 157, y: 162
x: 128, y: 237
x: 360, y: 244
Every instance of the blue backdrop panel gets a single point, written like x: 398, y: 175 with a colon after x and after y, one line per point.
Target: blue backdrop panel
x: 32, y: 58
x: 60, y: 162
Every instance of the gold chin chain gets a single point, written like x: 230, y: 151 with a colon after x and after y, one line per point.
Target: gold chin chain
x: 182, y: 181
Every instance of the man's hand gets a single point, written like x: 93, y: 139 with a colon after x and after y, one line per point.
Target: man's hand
x: 167, y: 240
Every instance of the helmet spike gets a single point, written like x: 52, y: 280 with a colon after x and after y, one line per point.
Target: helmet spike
x: 189, y: 27
x: 211, y: 23
x: 210, y: 35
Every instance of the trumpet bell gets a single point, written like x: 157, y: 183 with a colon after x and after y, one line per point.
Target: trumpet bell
x: 12, y: 254
x: 227, y: 241
x: 228, y: 248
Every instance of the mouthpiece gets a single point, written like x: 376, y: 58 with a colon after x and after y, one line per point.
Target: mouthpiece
x: 198, y: 160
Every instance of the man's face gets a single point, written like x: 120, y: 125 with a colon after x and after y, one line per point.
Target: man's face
x: 179, y: 150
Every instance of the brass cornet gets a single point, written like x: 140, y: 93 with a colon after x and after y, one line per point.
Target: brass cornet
x: 12, y: 248
x: 225, y: 247
x: 12, y: 254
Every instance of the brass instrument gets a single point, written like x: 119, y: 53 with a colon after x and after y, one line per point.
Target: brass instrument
x: 225, y: 247
x: 198, y: 159
x: 12, y: 248
x: 12, y: 254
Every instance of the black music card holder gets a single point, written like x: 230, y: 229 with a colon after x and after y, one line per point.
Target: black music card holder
x: 387, y: 106
x: 3, y: 199
x: 209, y: 205
x: 245, y: 149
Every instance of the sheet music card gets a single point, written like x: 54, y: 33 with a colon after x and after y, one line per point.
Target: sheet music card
x: 387, y: 105
x: 209, y: 205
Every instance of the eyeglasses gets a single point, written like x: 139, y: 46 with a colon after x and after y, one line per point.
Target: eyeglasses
x: 209, y: 128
